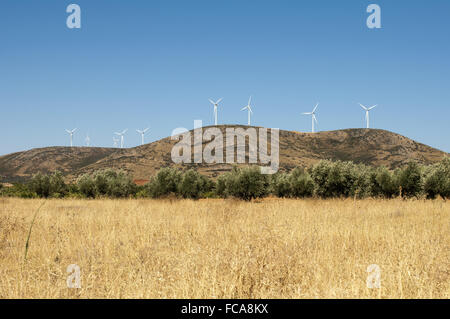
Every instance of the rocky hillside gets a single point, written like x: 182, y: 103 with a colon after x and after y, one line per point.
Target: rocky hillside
x: 369, y: 146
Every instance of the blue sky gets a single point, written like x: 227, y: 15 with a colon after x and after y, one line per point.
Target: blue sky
x: 135, y: 64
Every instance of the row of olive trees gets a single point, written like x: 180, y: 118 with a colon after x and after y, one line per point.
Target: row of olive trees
x: 326, y: 179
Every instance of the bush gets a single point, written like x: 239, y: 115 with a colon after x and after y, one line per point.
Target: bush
x: 334, y: 179
x: 383, y: 183
x: 410, y: 180
x: 48, y: 185
x: 247, y: 183
x: 107, y: 182
x: 221, y: 185
x: 86, y: 186
x: 280, y: 185
x: 114, y: 183
x: 164, y: 183
x: 19, y: 190
x: 193, y: 185
x: 301, y: 183
x: 437, y: 181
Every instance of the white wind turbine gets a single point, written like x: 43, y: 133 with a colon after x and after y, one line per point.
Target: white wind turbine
x: 121, y: 134
x: 313, y: 116
x: 115, y: 141
x: 88, y: 140
x: 71, y: 135
x: 249, y: 109
x: 216, y: 104
x: 142, y: 134
x: 367, y: 109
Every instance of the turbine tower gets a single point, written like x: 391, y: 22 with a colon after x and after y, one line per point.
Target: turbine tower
x: 142, y: 134
x: 367, y: 109
x: 115, y: 141
x: 88, y: 140
x: 249, y: 109
x: 216, y: 104
x: 71, y: 135
x: 121, y: 134
x: 313, y: 116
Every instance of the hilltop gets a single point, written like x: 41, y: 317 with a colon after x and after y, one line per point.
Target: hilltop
x: 369, y: 146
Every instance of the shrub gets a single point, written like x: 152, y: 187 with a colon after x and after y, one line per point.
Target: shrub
x: 58, y: 187
x: 247, y: 183
x: 86, y: 186
x: 40, y: 184
x: 193, y: 185
x: 164, y: 183
x: 334, y: 179
x: 48, y: 185
x: 280, y: 185
x: 437, y: 181
x: 301, y: 183
x: 383, y: 183
x: 19, y: 190
x: 410, y: 180
x: 221, y: 185
x: 107, y: 183
x: 114, y: 183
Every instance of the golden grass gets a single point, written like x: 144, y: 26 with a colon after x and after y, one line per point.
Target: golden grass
x: 225, y: 248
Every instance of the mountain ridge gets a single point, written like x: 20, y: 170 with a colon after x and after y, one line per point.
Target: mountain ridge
x: 369, y: 146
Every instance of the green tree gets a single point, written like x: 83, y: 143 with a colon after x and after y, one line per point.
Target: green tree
x: 301, y: 183
x: 410, y: 180
x: 280, y: 185
x: 164, y: 183
x: 193, y: 185
x: 437, y: 181
x: 247, y: 183
x: 86, y: 186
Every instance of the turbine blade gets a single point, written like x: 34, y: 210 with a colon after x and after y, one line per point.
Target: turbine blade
x: 365, y: 108
x: 250, y: 100
x: 372, y: 107
x: 218, y: 101
x: 244, y: 108
x: 315, y: 107
x: 212, y: 102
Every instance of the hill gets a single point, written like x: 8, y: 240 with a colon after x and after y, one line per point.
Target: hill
x: 21, y: 166
x: 369, y: 146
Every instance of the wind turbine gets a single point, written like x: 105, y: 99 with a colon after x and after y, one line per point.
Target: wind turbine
x: 249, y: 109
x: 115, y: 141
x: 216, y: 104
x: 121, y: 134
x: 367, y: 109
x: 313, y: 116
x: 142, y: 134
x: 71, y: 135
x: 88, y: 140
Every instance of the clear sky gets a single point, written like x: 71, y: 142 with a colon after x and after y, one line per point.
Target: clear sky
x: 135, y: 64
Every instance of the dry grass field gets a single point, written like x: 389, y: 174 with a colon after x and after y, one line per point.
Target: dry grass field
x: 225, y: 249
